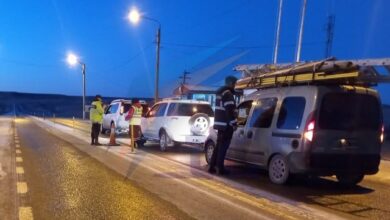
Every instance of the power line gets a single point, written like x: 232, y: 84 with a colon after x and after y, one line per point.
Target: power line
x: 126, y: 62
x: 182, y: 45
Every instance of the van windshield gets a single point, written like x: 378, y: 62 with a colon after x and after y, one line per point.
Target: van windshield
x: 341, y: 111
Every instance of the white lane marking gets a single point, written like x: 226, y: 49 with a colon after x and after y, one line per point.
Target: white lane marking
x: 17, y: 145
x: 25, y: 213
x: 21, y: 187
x: 19, y: 170
x: 19, y: 159
x: 18, y: 151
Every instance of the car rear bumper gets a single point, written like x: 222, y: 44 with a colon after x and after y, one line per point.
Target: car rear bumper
x: 331, y: 164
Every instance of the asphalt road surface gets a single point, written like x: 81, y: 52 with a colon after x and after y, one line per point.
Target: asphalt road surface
x: 370, y: 199
x: 65, y: 183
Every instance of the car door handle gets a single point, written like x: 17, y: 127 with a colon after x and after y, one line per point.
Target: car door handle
x: 249, y: 134
x: 174, y: 118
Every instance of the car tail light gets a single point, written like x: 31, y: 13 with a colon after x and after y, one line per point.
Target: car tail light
x: 382, y: 137
x: 309, y: 133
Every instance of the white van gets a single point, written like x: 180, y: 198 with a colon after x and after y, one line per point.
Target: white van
x: 317, y: 129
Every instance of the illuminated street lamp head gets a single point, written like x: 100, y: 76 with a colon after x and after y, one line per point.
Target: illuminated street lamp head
x: 134, y: 16
x: 72, y: 59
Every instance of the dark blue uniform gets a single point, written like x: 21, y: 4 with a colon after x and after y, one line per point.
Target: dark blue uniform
x: 224, y: 121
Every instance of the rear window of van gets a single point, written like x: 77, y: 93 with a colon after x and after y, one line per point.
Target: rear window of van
x: 345, y: 111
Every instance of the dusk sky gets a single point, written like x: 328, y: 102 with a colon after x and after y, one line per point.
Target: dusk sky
x: 205, y: 37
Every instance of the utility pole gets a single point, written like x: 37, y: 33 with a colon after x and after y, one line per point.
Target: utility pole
x: 185, y: 77
x: 84, y: 80
x: 329, y: 35
x: 299, y: 46
x: 158, y: 41
x: 275, y: 60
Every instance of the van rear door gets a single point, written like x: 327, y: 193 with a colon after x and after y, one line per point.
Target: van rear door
x: 349, y: 124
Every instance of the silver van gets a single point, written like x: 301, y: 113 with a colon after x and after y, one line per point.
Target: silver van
x: 316, y: 130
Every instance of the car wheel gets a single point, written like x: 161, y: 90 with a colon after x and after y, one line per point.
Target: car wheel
x: 349, y: 180
x: 163, y: 141
x: 199, y: 123
x: 278, y: 169
x: 209, y: 150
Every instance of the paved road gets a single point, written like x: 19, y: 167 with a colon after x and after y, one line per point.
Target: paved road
x: 367, y: 200
x: 65, y: 183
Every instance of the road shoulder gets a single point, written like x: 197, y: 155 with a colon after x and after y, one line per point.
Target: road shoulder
x: 7, y: 167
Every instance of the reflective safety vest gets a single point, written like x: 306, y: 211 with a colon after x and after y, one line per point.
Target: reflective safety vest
x: 137, y: 114
x: 225, y: 108
x: 96, y: 112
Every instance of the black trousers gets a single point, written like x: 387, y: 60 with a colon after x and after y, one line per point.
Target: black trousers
x: 223, y: 141
x: 95, y: 131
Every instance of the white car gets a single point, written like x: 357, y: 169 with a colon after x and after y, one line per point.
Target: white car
x: 115, y: 115
x: 173, y: 122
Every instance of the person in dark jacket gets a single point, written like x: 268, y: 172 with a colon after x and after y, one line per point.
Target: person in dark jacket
x: 225, y: 122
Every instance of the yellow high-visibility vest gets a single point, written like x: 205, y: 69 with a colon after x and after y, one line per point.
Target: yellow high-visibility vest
x: 136, y: 119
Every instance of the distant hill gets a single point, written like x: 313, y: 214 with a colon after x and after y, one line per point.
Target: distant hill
x: 47, y: 104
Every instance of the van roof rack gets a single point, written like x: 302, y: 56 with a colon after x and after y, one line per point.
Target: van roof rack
x: 329, y: 71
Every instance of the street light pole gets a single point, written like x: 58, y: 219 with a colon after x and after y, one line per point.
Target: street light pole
x: 299, y: 46
x: 158, y: 40
x: 275, y: 59
x: 73, y: 60
x: 134, y: 17
x: 83, y: 71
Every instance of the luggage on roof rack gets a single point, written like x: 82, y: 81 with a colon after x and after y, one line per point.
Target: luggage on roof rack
x: 329, y: 71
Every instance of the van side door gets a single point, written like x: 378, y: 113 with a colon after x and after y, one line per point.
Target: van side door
x: 239, y: 142
x: 287, y: 135
x: 259, y: 130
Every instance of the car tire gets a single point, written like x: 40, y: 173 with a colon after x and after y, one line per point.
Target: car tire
x: 349, y: 180
x: 199, y: 123
x: 209, y: 150
x: 278, y: 170
x: 163, y: 141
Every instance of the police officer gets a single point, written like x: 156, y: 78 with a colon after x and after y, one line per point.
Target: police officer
x: 96, y: 118
x: 225, y: 123
x: 134, y: 115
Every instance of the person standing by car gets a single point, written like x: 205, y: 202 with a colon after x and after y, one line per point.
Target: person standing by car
x: 134, y: 115
x: 96, y: 117
x: 225, y: 123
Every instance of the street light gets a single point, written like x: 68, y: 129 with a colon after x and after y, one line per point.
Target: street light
x: 134, y: 17
x: 73, y: 60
